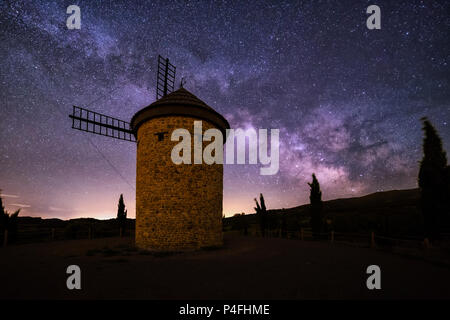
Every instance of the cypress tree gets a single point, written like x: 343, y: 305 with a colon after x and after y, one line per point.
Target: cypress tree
x: 8, y: 222
x: 121, y: 214
x: 316, y: 205
x: 261, y: 211
x: 433, y: 181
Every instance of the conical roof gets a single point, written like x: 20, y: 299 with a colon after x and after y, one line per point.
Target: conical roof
x: 181, y: 96
x: 179, y: 103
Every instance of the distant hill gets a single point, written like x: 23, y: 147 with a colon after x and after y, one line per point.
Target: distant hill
x: 394, y: 212
x: 31, y: 229
x: 374, y: 201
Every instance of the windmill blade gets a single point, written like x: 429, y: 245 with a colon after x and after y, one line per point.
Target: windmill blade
x: 97, y: 123
x: 165, y: 77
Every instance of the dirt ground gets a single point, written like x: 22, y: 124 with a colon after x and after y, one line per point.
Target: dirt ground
x: 245, y: 268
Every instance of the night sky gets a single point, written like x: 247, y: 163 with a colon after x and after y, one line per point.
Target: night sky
x: 347, y: 100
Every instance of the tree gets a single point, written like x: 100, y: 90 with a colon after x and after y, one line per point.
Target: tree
x: 283, y: 225
x: 433, y: 181
x: 315, y: 198
x: 8, y: 223
x: 244, y: 223
x: 261, y: 212
x: 121, y: 214
x: 447, y: 197
x: 239, y: 222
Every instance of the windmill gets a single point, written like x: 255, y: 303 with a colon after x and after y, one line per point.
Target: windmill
x: 97, y: 123
x: 178, y: 206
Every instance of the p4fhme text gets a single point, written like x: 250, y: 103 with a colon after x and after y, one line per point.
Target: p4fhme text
x: 263, y: 309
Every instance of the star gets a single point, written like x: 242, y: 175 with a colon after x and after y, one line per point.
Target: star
x: 347, y: 100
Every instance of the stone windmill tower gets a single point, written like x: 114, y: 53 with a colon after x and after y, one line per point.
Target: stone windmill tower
x: 178, y: 207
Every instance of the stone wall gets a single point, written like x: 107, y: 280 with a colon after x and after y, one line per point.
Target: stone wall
x: 178, y: 207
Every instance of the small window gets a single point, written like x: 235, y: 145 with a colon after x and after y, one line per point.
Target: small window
x: 161, y: 135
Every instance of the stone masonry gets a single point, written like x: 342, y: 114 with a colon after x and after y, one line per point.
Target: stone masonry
x: 178, y: 207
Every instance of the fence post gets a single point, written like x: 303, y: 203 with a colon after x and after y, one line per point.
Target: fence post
x: 332, y: 237
x: 372, y: 240
x: 426, y: 242
x: 5, y: 239
x: 53, y: 234
x: 301, y: 234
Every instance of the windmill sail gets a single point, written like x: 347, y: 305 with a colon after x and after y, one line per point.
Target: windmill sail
x: 94, y: 122
x: 165, y: 77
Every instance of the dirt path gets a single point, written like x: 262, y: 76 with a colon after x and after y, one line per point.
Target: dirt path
x: 246, y: 268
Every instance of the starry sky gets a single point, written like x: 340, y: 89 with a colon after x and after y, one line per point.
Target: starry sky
x: 347, y: 100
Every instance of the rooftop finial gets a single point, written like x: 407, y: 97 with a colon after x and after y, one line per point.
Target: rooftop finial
x: 182, y: 82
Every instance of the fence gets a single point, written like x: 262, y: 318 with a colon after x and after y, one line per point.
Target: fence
x: 55, y: 234
x: 369, y: 239
x: 90, y: 232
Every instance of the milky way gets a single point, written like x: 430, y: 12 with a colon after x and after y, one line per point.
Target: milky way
x: 347, y: 100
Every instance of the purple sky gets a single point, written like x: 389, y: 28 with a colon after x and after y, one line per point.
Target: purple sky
x: 347, y: 100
